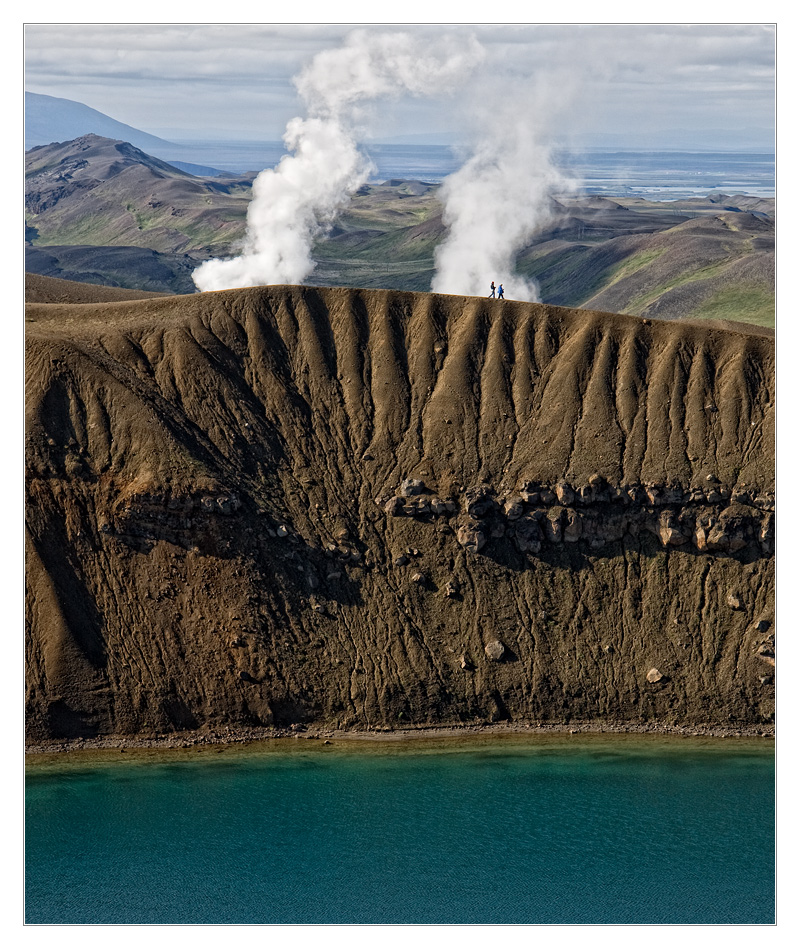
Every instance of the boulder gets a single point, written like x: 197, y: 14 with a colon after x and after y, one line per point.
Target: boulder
x: 394, y: 506
x: 471, y: 535
x: 552, y: 525
x: 637, y: 494
x: 700, y: 540
x: 410, y: 487
x: 438, y: 506
x: 734, y: 601
x: 564, y: 493
x: 654, y: 675
x: 573, y: 528
x: 478, y: 500
x: 669, y: 530
x: 514, y: 508
x: 418, y: 507
x: 528, y: 535
x: 494, y: 650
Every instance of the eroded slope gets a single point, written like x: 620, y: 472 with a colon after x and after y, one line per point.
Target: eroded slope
x: 372, y: 508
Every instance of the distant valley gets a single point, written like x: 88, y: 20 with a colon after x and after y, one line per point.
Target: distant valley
x: 105, y: 212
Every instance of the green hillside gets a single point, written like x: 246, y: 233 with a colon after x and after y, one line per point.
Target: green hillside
x: 710, y: 258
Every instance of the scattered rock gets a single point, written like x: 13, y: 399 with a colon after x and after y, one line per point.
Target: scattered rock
x: 400, y: 561
x: 655, y: 676
x: 767, y: 653
x: 411, y: 487
x: 734, y: 601
x: 282, y: 531
x: 419, y: 578
x: 394, y: 506
x: 495, y: 650
x: 763, y: 625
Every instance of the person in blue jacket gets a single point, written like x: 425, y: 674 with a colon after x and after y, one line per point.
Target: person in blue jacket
x: 500, y: 292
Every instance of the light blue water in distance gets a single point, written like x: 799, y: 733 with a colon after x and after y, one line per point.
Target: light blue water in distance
x: 656, y: 175
x: 562, y: 830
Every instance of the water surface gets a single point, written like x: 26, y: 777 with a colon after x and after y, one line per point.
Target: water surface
x: 575, y: 829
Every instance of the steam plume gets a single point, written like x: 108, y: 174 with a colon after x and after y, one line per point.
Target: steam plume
x: 494, y: 204
x: 296, y: 202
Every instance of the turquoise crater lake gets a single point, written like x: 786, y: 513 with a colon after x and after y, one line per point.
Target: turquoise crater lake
x: 573, y: 829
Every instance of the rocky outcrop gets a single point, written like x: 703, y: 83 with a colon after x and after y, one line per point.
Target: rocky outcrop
x: 289, y: 505
x: 716, y: 519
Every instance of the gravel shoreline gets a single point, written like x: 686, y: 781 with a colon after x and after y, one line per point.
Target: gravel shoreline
x: 234, y: 736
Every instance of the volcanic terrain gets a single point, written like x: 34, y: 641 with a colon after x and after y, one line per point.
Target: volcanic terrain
x: 101, y: 211
x: 372, y: 509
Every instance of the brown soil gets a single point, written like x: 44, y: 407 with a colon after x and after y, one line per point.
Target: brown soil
x: 40, y: 289
x: 218, y: 534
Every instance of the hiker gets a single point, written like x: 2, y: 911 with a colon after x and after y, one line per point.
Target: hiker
x: 500, y: 292
x: 491, y: 295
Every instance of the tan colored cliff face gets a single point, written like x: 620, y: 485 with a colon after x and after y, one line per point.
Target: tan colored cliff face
x: 294, y: 504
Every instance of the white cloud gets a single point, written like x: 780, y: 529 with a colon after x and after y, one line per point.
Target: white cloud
x: 667, y: 75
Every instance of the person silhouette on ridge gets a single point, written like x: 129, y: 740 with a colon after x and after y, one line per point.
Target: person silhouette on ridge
x: 492, y: 293
x: 499, y: 292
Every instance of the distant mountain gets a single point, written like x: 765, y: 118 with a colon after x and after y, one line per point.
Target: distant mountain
x: 50, y: 119
x: 96, y: 191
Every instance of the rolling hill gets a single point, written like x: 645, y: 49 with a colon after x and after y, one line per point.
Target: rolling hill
x: 710, y: 258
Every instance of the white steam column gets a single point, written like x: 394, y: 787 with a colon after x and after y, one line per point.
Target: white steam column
x: 296, y: 202
x: 493, y: 205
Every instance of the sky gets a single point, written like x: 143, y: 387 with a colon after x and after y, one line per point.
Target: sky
x: 235, y: 80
